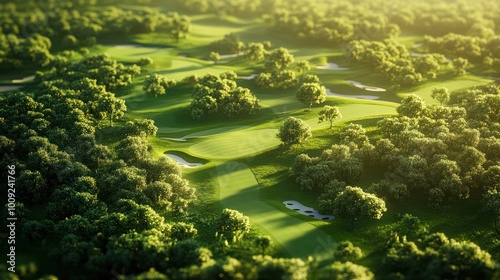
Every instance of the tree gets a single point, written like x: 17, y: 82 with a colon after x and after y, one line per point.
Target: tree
x: 263, y: 242
x: 111, y: 107
x: 157, y: 84
x: 215, y: 57
x: 256, y: 51
x: 232, y: 224
x: 353, y: 203
x: 280, y: 268
x: 330, y: 114
x: 303, y: 66
x: 293, y: 131
x: 310, y: 93
x: 346, y: 252
x: 180, y: 26
x: 345, y: 271
x: 460, y: 65
x: 441, y: 94
x: 279, y: 59
x: 491, y: 205
x: 412, y: 106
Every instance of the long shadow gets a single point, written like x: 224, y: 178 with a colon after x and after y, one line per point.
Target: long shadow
x: 297, y: 237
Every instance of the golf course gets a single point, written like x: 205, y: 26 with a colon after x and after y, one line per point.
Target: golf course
x: 253, y: 140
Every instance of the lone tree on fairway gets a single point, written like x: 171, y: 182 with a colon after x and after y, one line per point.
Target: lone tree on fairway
x: 310, y: 93
x: 441, y: 94
x: 215, y: 57
x: 294, y: 131
x: 330, y: 114
x: 353, y: 203
x: 157, y: 84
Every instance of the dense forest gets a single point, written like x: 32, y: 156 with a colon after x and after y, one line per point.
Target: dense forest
x: 95, y: 198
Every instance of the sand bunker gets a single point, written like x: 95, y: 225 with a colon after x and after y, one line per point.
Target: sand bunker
x: 368, y: 88
x: 182, y: 139
x: 304, y: 210
x: 367, y: 97
x: 181, y: 162
x: 250, y: 77
x: 415, y: 54
x: 24, y: 80
x: 331, y: 66
x: 9, y: 88
x: 130, y: 46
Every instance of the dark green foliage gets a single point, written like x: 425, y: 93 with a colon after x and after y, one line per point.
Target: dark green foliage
x: 273, y: 268
x: 157, y: 85
x: 232, y: 224
x: 310, y: 93
x: 220, y: 95
x: 436, y: 256
x: 345, y: 271
x: 187, y: 253
x: 353, y: 204
x: 294, y: 131
x: 346, y: 252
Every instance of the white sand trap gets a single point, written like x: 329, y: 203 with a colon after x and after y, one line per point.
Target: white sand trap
x: 223, y: 56
x: 9, y: 88
x: 365, y: 87
x: 182, y: 139
x: 331, y: 66
x: 367, y: 97
x: 182, y: 55
x: 250, y: 77
x: 304, y: 210
x: 415, y: 54
x: 130, y: 46
x: 181, y: 162
x: 24, y: 80
x: 418, y: 45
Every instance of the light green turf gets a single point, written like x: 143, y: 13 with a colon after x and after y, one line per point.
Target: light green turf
x: 166, y: 129
x: 455, y: 84
x: 239, y: 190
x: 236, y: 144
x: 183, y: 67
x: 214, y: 131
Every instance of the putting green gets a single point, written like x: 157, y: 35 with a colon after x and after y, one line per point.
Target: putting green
x: 358, y: 111
x: 239, y: 190
x: 214, y: 131
x: 236, y: 144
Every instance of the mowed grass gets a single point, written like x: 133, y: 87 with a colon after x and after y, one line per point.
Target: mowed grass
x: 239, y: 190
x: 454, y: 84
x: 236, y: 144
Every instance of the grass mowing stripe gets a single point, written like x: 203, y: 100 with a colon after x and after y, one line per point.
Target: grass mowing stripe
x: 236, y: 144
x: 239, y: 190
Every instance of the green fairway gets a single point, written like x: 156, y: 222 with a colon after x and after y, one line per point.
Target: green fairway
x: 455, y: 84
x: 236, y: 144
x: 239, y: 190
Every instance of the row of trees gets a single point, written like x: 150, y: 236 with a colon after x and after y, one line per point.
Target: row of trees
x: 482, y: 50
x: 28, y: 29
x: 375, y: 20
x: 396, y: 63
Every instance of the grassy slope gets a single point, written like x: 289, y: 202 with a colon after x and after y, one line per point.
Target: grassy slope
x: 270, y: 168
